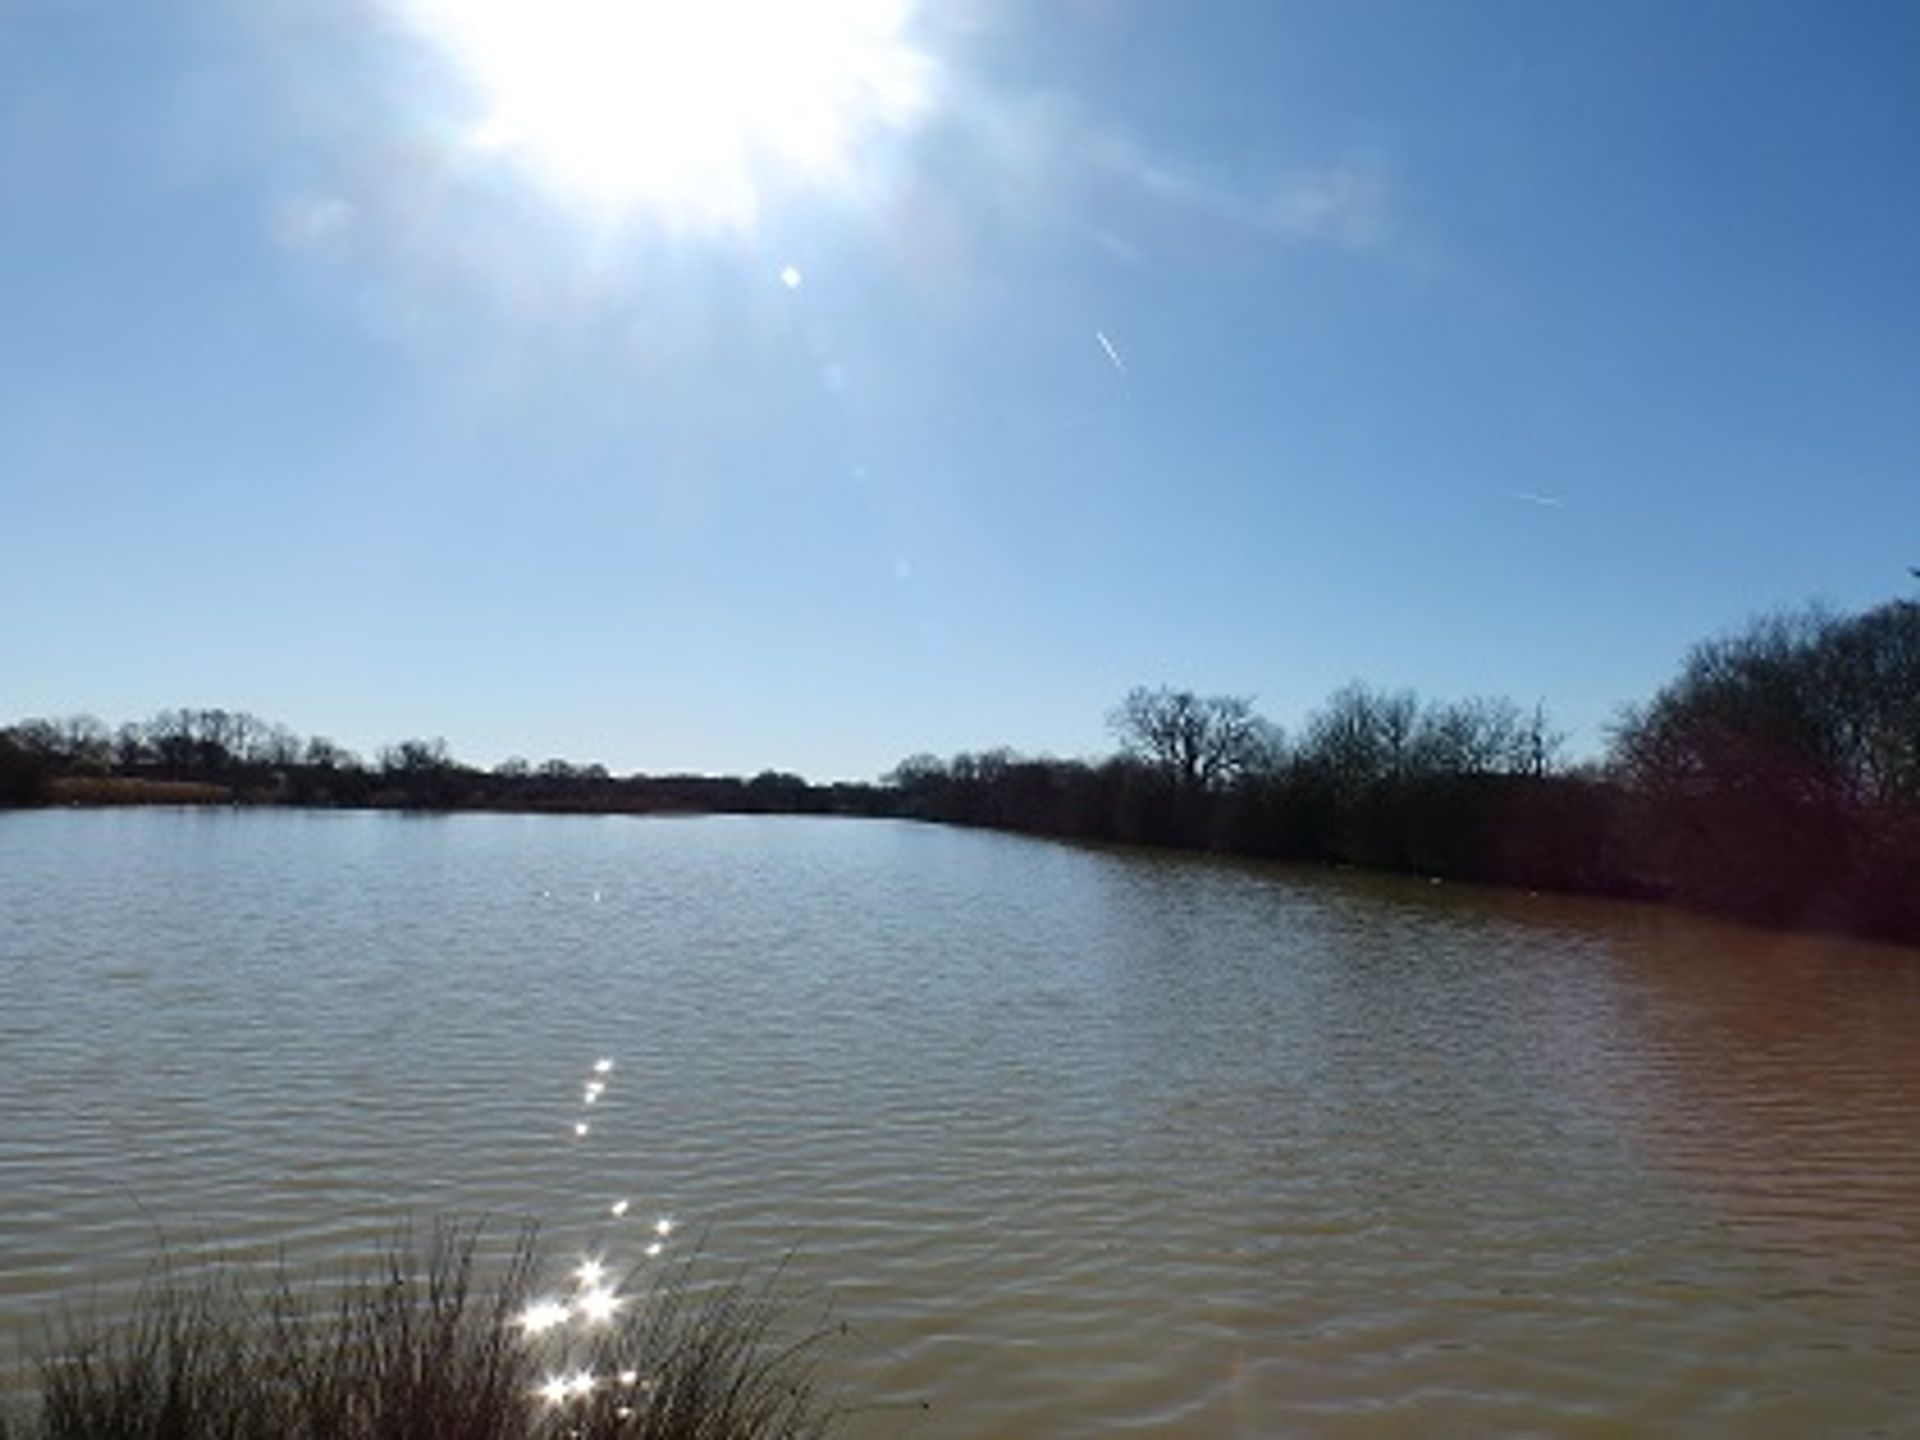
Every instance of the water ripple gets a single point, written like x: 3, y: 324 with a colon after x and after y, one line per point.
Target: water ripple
x: 1080, y: 1143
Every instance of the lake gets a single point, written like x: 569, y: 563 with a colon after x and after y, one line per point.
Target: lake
x: 1077, y: 1141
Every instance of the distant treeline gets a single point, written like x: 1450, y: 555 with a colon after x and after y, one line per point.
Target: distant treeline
x: 1776, y: 778
x: 231, y: 757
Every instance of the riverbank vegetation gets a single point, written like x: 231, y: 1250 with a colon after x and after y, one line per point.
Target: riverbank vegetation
x: 1777, y: 778
x: 446, y: 1339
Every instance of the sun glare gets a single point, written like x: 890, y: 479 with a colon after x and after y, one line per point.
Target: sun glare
x: 693, y: 110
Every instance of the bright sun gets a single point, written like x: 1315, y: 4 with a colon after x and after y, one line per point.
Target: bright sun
x: 693, y: 110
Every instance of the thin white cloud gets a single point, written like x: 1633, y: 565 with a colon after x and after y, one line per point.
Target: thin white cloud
x: 1049, y: 159
x: 1347, y: 205
x: 1531, y: 497
x: 313, y: 224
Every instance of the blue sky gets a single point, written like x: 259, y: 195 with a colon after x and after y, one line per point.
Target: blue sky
x: 1253, y: 347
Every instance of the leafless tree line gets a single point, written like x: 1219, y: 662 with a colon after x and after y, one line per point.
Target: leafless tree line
x: 1360, y: 737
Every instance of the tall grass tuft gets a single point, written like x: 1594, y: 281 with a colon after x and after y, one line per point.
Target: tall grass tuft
x: 429, y: 1342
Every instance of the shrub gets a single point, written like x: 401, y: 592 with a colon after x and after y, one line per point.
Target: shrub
x: 430, y: 1342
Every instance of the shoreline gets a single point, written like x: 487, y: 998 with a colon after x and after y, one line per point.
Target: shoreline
x: 133, y: 793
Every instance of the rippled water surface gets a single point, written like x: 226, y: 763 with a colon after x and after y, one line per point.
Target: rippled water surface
x: 1079, y: 1142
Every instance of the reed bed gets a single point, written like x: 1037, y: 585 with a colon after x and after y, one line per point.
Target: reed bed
x: 442, y: 1338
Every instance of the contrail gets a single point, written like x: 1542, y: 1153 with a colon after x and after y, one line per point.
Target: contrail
x: 1112, y: 354
x: 1551, y: 502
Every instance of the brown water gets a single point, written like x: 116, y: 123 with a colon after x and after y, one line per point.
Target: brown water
x: 1081, y: 1143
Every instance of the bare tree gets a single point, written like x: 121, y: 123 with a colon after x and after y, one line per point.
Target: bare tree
x: 1476, y: 736
x: 276, y: 746
x: 130, y: 748
x: 1202, y: 741
x: 916, y: 771
x: 1833, y: 702
x: 416, y: 757
x: 1362, y: 735
x: 1539, y: 743
x: 322, y: 754
x: 88, y: 743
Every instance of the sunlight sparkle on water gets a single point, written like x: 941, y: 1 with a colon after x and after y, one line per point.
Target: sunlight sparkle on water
x: 602, y: 1067
x: 619, y: 1208
x: 597, y: 1304
x: 543, y: 1315
x: 559, y: 1389
x: 589, y: 1273
x: 663, y: 1227
x: 580, y: 1128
